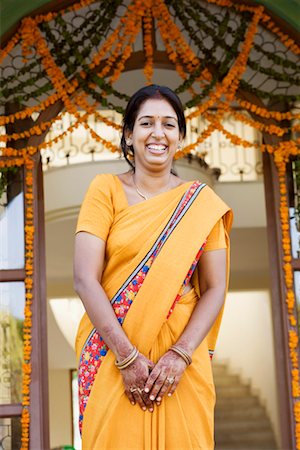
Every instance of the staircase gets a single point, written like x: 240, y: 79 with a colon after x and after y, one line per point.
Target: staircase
x: 241, y: 422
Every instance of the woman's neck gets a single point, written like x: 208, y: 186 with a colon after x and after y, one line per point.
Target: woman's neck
x: 154, y: 182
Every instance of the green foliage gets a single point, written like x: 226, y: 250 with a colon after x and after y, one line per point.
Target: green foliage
x: 216, y: 35
x: 11, y: 353
x: 5, y: 173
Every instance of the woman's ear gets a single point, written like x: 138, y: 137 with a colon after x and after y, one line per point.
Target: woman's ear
x: 128, y: 138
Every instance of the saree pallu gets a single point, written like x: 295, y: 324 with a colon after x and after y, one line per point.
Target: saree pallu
x: 154, y: 314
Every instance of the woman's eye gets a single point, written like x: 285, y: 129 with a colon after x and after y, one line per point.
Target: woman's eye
x: 170, y: 125
x: 146, y: 124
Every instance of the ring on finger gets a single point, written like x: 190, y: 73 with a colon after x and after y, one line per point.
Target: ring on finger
x: 170, y: 380
x: 140, y: 391
x: 133, y: 389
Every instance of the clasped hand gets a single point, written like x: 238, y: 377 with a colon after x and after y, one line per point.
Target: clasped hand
x: 146, y: 383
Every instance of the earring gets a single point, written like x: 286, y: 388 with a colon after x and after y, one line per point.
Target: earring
x: 128, y: 142
x: 179, y: 146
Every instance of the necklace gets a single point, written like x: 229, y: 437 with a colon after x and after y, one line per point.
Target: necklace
x: 145, y: 197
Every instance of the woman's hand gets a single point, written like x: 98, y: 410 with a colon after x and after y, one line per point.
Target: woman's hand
x: 134, y: 378
x: 165, y: 376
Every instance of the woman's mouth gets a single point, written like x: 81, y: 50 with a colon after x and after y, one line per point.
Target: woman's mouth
x: 157, y: 149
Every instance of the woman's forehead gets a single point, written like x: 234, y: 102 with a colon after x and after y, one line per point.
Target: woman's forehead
x: 157, y: 107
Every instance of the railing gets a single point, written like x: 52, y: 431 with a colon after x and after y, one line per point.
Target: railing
x: 234, y: 163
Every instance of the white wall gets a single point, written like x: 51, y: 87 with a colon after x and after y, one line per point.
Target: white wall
x: 247, y: 201
x: 246, y: 344
x: 60, y: 408
x: 66, y: 186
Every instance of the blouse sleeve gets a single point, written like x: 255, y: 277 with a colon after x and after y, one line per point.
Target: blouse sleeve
x: 216, y: 238
x: 97, y: 212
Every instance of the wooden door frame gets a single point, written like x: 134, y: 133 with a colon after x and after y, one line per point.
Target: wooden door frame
x: 279, y: 312
x: 39, y: 397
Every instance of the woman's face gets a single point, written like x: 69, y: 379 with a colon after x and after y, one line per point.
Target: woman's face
x: 155, y: 136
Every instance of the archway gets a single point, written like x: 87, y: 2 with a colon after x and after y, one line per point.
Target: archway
x: 226, y: 54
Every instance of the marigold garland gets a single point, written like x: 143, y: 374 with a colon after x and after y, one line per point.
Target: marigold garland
x: 11, y: 44
x: 265, y: 113
x: 122, y: 39
x: 108, y: 122
x: 281, y: 158
x: 170, y: 33
x: 113, y: 148
x: 270, y: 129
x: 29, y: 265
x: 131, y: 30
x: 127, y: 22
x: 284, y: 38
x: 147, y: 26
x: 27, y: 164
x: 28, y: 112
x: 35, y: 130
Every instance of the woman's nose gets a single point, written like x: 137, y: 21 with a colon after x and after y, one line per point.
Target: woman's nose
x: 158, y: 131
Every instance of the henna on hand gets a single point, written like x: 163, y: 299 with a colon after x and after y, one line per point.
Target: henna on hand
x: 165, y: 376
x: 136, y: 374
x: 134, y: 378
x: 117, y: 341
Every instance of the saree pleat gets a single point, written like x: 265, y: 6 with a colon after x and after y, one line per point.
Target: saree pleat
x: 185, y: 420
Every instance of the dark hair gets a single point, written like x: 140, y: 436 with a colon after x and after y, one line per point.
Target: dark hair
x: 133, y: 106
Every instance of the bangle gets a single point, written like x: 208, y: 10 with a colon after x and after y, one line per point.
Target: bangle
x: 184, y: 355
x: 129, y: 360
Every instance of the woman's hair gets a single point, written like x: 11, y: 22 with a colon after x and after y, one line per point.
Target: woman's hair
x: 154, y: 91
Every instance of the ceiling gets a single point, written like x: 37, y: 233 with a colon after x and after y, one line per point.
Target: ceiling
x: 12, y: 11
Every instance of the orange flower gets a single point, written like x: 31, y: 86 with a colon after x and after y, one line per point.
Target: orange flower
x: 11, y: 44
x: 147, y: 27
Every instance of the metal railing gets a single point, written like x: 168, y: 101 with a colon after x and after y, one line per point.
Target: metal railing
x: 233, y: 162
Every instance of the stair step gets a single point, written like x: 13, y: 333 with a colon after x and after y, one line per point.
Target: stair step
x: 219, y: 369
x: 242, y: 424
x: 225, y: 380
x: 237, y: 390
x: 249, y: 446
x: 260, y: 437
x: 227, y: 413
x: 236, y: 402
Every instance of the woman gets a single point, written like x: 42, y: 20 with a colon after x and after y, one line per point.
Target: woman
x: 143, y: 346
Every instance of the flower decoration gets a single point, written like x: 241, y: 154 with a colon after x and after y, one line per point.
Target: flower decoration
x: 86, y: 81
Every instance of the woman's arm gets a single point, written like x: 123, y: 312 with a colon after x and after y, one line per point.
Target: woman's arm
x: 212, y: 273
x: 89, y: 257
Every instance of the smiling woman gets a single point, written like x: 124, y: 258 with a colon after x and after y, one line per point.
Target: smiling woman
x: 155, y: 135
x: 154, y: 127
x: 154, y: 140
x: 151, y: 267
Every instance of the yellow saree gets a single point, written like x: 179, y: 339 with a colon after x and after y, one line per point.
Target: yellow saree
x: 150, y: 249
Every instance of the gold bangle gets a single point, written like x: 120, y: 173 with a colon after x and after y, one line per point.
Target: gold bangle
x: 184, y: 355
x: 123, y: 366
x: 128, y: 360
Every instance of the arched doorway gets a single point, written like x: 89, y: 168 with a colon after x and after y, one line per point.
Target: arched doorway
x: 224, y: 54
